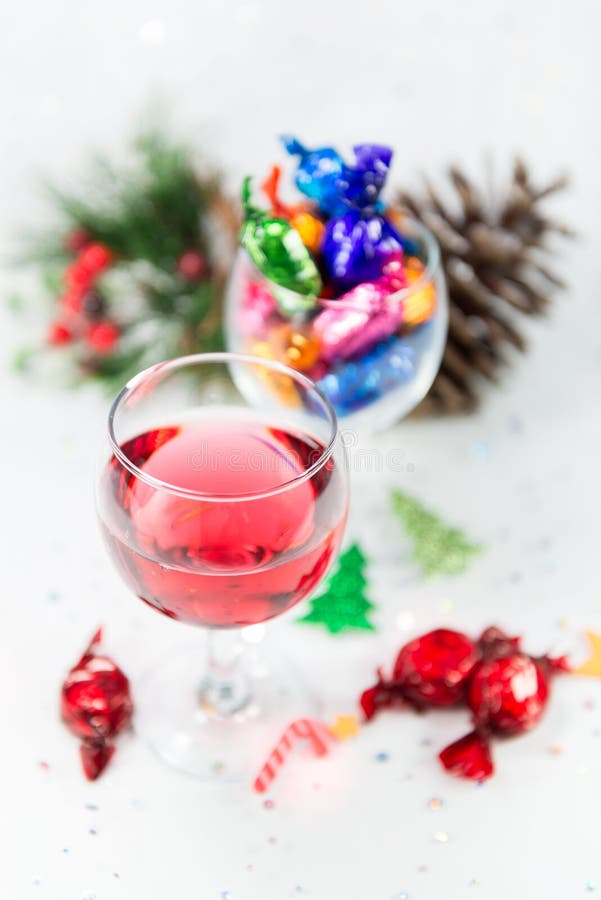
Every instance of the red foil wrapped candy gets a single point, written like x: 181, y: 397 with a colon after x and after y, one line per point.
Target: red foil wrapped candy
x: 431, y: 671
x: 95, y: 706
x: 507, y: 694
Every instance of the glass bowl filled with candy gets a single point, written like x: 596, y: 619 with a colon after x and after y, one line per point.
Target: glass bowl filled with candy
x: 341, y: 286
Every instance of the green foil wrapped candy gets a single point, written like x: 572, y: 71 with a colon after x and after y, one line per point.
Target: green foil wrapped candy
x: 278, y: 252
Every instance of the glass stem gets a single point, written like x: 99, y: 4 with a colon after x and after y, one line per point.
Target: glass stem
x: 225, y: 687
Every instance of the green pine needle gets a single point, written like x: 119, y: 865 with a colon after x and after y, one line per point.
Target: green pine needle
x: 148, y: 210
x: 437, y: 548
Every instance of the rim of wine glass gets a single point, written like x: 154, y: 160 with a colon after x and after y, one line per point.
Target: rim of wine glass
x: 432, y: 261
x: 225, y: 357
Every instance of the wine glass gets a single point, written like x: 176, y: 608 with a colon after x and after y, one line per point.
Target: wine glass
x: 223, y: 515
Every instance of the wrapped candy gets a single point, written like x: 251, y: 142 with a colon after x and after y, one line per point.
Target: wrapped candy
x: 363, y: 316
x: 350, y: 386
x: 432, y: 670
x: 310, y: 228
x: 278, y: 251
x: 293, y: 347
x: 257, y: 309
x: 420, y: 304
x: 360, y: 185
x: 358, y: 243
x: 356, y: 322
x: 279, y: 384
x: 317, y: 175
x: 356, y: 248
x: 507, y: 694
x: 95, y: 706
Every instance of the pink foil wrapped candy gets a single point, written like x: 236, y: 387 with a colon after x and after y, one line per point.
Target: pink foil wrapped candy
x: 363, y: 316
x: 256, y: 309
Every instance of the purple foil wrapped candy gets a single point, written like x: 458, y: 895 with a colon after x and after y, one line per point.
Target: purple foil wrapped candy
x: 360, y: 185
x: 356, y: 248
x: 356, y: 321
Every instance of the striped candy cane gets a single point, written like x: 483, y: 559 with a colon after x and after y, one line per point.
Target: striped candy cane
x: 299, y: 730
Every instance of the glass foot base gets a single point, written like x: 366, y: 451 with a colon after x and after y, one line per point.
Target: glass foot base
x: 172, y: 717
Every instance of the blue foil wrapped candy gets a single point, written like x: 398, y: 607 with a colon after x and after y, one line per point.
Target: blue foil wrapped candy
x: 352, y: 385
x: 317, y: 175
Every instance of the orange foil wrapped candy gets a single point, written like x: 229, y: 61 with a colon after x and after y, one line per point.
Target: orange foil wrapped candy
x: 310, y: 228
x: 419, y: 305
x: 277, y: 382
x: 294, y: 348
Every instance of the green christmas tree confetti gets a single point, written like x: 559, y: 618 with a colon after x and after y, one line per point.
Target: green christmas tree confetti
x: 437, y: 548
x: 343, y: 606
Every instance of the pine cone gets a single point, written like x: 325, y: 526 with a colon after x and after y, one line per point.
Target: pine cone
x: 493, y: 255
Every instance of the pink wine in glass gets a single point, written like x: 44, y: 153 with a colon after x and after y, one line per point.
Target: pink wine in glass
x: 225, y: 526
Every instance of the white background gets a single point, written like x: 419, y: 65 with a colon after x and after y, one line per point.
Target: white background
x: 464, y: 81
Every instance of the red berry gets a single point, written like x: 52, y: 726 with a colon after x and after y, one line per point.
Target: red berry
x: 192, y: 265
x: 71, y: 301
x: 77, y: 239
x: 95, y: 257
x: 77, y: 279
x: 102, y: 336
x: 58, y: 334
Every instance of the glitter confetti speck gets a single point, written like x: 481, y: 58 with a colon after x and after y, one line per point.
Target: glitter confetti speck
x: 44, y: 766
x: 515, y: 424
x: 272, y: 840
x: 344, y: 727
x: 422, y: 868
x: 554, y: 749
x: 382, y: 757
x: 441, y: 837
x: 268, y: 804
x: 218, y: 767
x: 91, y: 807
x: 481, y: 451
x: 36, y: 882
x: 589, y: 886
x: 435, y: 803
x: 225, y: 895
